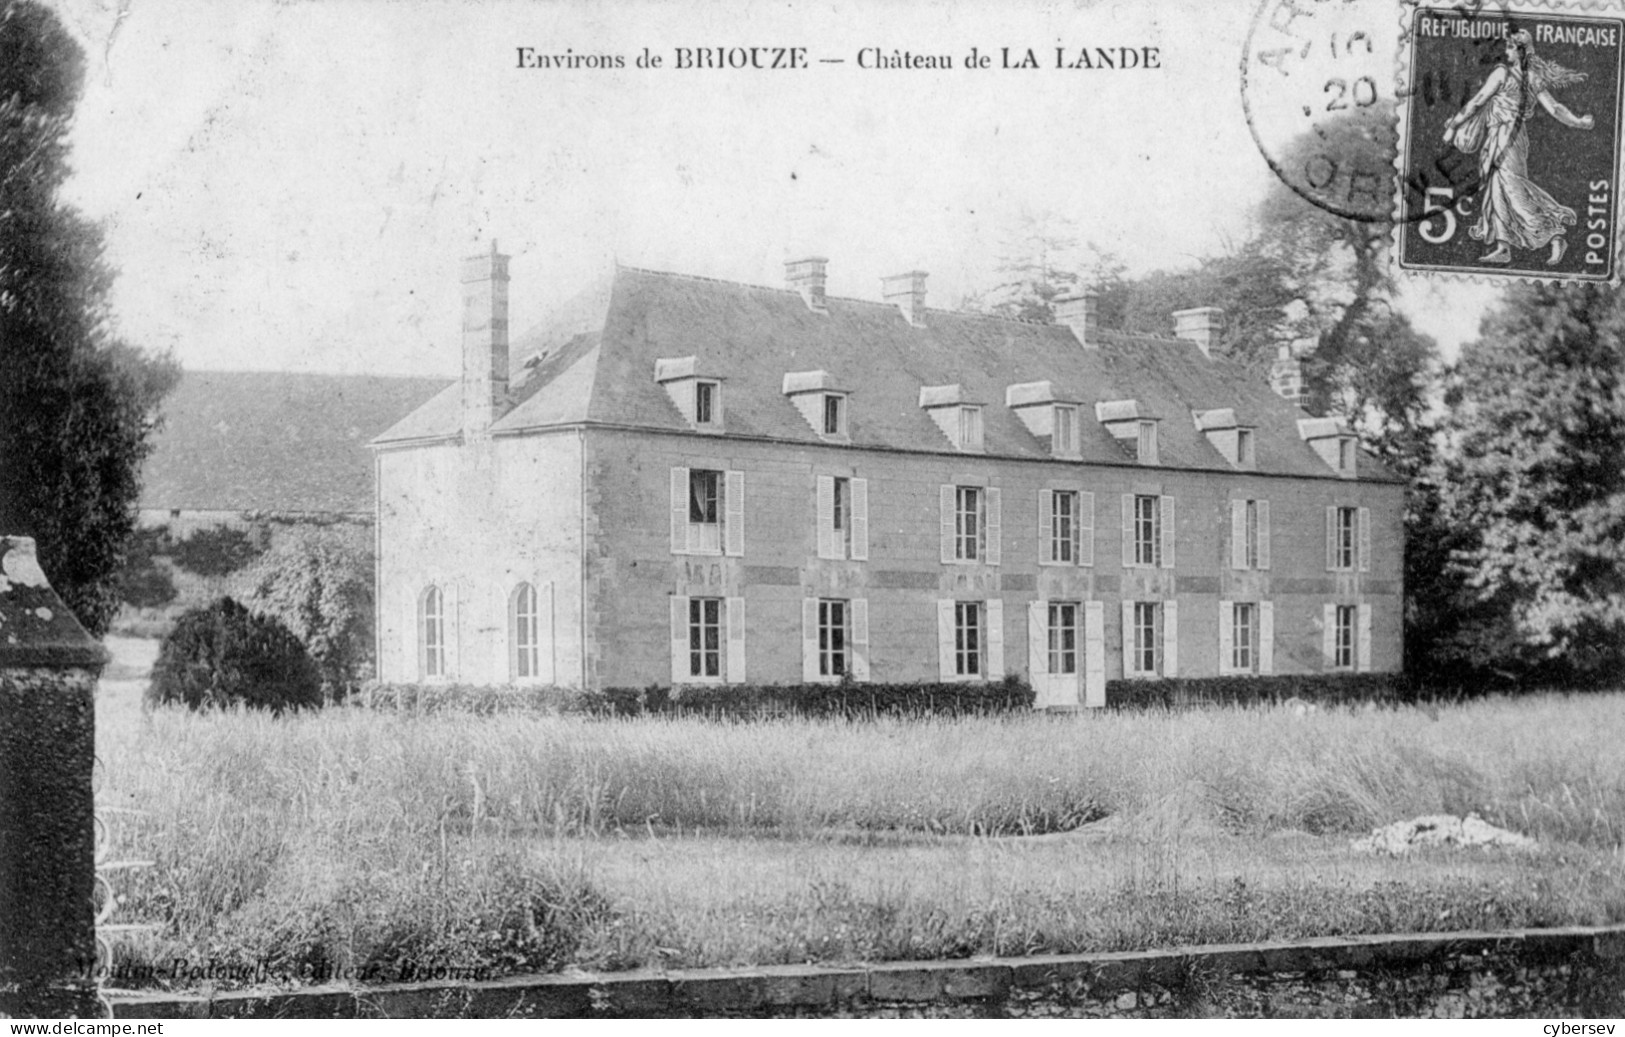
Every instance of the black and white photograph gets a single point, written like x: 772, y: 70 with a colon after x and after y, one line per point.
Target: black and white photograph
x: 1069, y: 509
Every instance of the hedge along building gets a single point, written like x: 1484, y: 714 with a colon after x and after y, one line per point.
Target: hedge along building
x: 693, y: 480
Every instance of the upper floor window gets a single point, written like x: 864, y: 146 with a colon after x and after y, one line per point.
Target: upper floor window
x: 432, y: 633
x: 1147, y: 530
x: 522, y: 633
x: 970, y: 428
x: 834, y: 414
x: 970, y: 524
x: 706, y: 410
x: 1063, y: 544
x: 968, y: 529
x: 707, y: 511
x: 1249, y: 534
x: 1348, y: 538
x: 843, y: 517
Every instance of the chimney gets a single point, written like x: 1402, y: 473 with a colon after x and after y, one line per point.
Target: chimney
x: 807, y: 277
x: 908, y: 292
x: 1286, y: 375
x: 485, y: 340
x: 1078, y: 312
x: 1200, y: 325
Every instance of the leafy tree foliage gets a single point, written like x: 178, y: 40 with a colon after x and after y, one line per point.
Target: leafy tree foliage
x: 1534, y: 489
x: 318, y: 580
x: 1044, y: 260
x: 77, y: 406
x: 219, y: 550
x: 224, y: 655
x: 143, y: 583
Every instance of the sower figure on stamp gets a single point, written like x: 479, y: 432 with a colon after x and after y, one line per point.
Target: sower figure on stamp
x: 1515, y: 211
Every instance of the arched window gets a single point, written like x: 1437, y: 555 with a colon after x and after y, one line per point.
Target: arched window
x: 432, y: 633
x: 522, y: 631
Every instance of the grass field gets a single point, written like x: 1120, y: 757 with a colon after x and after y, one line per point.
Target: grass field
x: 383, y: 846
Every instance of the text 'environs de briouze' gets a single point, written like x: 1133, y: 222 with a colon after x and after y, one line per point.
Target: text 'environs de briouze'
x: 1118, y: 57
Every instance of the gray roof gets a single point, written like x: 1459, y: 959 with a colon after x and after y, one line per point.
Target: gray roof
x: 750, y: 336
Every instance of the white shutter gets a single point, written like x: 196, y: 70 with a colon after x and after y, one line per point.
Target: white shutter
x: 1328, y: 636
x: 679, y: 511
x: 1086, y: 528
x: 994, y: 610
x: 1128, y: 531
x: 1227, y: 636
x: 1128, y: 638
x: 860, y: 639
x: 860, y: 520
x: 1331, y: 538
x: 995, y: 527
x: 679, y: 639
x: 1169, y: 532
x: 1038, y: 638
x: 1266, y: 638
x: 826, y: 516
x: 947, y: 502
x: 1094, y: 654
x: 1238, y: 534
x: 734, y: 525
x: 809, y: 639
x: 1362, y: 644
x: 1365, y: 539
x: 1263, y: 534
x: 1170, y: 639
x: 736, y: 640
x: 1046, y: 527
x: 945, y: 639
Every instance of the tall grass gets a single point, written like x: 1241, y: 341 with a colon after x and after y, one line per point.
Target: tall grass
x: 351, y: 841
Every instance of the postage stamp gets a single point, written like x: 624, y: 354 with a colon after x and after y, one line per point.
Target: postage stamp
x: 1509, y: 124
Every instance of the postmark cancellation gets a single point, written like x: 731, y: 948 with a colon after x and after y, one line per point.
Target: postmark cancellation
x: 1509, y: 141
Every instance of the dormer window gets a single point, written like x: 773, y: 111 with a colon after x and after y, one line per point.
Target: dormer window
x: 1244, y: 448
x: 697, y: 396
x: 1345, y: 455
x: 1064, y: 439
x: 1146, y: 443
x: 970, y: 428
x: 1332, y: 440
x: 959, y: 419
x: 705, y: 402
x: 834, y: 414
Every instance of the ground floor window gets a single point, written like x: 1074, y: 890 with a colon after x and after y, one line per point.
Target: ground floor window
x: 968, y: 638
x: 1063, y: 637
x: 1343, y: 641
x: 833, y: 616
x: 522, y: 625
x: 705, y: 637
x: 1146, y: 635
x: 1243, y: 636
x: 432, y: 633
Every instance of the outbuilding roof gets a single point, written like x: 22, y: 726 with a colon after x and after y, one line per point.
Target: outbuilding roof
x: 754, y: 335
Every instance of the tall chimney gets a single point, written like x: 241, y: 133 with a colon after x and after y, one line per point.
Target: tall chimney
x: 1286, y: 375
x: 485, y: 340
x: 1200, y: 325
x: 807, y: 277
x: 908, y: 292
x: 1078, y: 312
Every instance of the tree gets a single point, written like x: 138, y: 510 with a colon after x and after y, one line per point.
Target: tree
x: 223, y: 655
x: 1042, y: 262
x: 77, y: 406
x: 1535, y: 487
x: 318, y: 580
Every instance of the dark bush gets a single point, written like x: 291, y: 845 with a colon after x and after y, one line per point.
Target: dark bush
x: 224, y: 655
x: 143, y: 583
x: 1321, y: 688
x: 219, y: 551
x: 847, y: 699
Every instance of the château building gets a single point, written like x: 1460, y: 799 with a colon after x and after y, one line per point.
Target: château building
x: 685, y: 480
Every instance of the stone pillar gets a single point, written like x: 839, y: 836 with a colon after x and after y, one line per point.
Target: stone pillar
x: 48, y: 672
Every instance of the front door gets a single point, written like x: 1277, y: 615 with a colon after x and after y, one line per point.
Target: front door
x: 1055, y: 650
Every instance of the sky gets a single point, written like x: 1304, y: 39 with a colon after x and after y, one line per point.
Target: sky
x: 291, y: 185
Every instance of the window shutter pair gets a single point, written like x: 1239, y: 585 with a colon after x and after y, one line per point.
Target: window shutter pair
x: 991, y: 525
x: 733, y: 516
x: 857, y: 646
x: 992, y: 639
x: 1166, y: 519
x: 734, y: 627
x: 1083, y: 529
x: 829, y: 540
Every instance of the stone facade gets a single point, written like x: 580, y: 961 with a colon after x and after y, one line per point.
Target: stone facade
x: 575, y: 486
